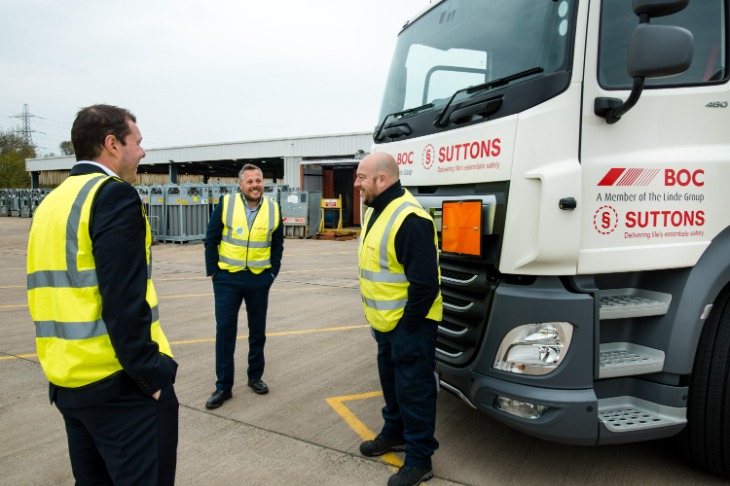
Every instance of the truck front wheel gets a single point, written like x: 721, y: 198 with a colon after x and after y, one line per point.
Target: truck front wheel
x: 708, y: 409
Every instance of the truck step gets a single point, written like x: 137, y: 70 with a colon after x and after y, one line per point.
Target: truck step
x: 623, y: 303
x: 628, y: 359
x: 627, y: 414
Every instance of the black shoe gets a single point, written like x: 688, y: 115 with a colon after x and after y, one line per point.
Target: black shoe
x: 381, y: 445
x: 410, y: 476
x: 258, y: 387
x: 217, y: 398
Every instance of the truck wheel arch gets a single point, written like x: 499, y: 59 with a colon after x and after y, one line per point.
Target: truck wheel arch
x: 705, y: 282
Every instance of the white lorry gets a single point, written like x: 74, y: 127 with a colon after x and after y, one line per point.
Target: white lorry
x: 576, y: 157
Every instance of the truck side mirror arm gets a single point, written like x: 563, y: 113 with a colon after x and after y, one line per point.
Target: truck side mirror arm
x: 655, y: 51
x: 612, y: 109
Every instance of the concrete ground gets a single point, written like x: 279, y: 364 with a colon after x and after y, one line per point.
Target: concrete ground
x: 324, y: 395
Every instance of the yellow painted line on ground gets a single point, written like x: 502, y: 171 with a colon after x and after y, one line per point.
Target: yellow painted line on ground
x: 309, y: 270
x: 182, y: 296
x: 283, y: 272
x: 19, y: 356
x: 12, y: 287
x: 13, y: 306
x: 308, y: 253
x: 352, y: 421
x: 212, y: 340
x: 316, y: 288
x: 280, y: 333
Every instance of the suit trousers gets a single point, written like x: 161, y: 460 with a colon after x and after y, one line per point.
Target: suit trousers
x: 129, y: 440
x: 231, y: 289
x: 406, y: 365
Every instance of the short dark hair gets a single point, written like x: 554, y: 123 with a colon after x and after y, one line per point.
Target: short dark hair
x: 93, y: 124
x: 249, y: 167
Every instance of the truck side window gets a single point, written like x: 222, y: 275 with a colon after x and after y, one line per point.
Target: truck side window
x: 706, y: 19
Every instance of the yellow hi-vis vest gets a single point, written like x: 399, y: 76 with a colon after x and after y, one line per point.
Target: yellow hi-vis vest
x: 383, y: 282
x: 73, y: 344
x: 241, y: 247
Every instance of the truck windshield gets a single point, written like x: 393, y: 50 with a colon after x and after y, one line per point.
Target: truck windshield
x: 463, y: 43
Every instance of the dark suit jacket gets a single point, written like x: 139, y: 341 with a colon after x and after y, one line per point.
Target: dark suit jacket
x: 117, y: 230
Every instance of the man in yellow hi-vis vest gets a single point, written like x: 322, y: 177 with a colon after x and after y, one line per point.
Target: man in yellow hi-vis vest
x: 91, y: 297
x: 244, y: 244
x: 401, y: 297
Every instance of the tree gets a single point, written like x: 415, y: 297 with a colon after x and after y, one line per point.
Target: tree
x: 66, y: 147
x: 14, y: 149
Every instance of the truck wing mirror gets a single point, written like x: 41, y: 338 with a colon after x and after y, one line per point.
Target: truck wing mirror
x: 659, y: 50
x: 658, y: 8
x: 655, y: 51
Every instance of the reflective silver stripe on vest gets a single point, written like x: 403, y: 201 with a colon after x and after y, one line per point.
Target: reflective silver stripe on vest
x: 70, y: 330
x: 259, y: 263
x: 385, y: 276
x: 229, y: 216
x: 71, y: 277
x: 228, y: 238
x: 244, y: 243
x: 241, y: 263
x: 385, y: 305
x: 61, y: 278
x: 147, y: 225
x: 77, y: 330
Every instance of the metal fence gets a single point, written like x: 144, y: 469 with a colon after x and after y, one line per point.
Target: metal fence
x: 20, y: 203
x: 180, y: 213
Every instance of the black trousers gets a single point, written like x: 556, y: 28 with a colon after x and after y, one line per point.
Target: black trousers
x: 406, y: 363
x: 130, y: 440
x: 230, y: 291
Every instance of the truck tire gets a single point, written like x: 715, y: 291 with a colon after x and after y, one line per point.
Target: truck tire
x: 708, y: 409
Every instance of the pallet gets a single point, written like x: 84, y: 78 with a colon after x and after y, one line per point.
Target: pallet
x: 336, y: 235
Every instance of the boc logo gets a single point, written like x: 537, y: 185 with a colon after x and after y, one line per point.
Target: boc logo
x: 428, y: 156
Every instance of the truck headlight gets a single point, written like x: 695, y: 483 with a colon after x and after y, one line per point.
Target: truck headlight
x: 534, y: 349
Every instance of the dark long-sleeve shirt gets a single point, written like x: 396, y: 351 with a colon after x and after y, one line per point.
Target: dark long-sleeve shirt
x: 417, y: 253
x: 214, y: 234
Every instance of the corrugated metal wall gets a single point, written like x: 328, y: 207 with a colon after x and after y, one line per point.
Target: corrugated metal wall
x: 291, y: 172
x: 312, y: 175
x: 303, y: 147
x: 53, y: 178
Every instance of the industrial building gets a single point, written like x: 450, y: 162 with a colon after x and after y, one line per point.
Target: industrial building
x: 324, y: 164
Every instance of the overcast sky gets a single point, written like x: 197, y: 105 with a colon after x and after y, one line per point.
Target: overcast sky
x: 199, y: 71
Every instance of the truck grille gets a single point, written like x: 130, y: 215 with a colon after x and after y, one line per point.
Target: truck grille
x: 465, y: 292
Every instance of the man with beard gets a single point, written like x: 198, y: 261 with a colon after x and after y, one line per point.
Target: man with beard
x: 400, y: 286
x: 244, y: 244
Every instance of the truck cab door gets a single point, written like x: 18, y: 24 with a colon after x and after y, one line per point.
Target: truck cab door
x: 652, y: 178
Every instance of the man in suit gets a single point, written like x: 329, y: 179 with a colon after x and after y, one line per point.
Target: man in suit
x: 91, y: 297
x: 244, y: 244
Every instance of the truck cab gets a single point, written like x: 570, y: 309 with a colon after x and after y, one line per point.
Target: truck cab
x: 574, y: 156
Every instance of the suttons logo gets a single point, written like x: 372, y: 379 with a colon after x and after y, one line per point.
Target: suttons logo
x: 629, y: 177
x: 451, y: 155
x: 428, y: 156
